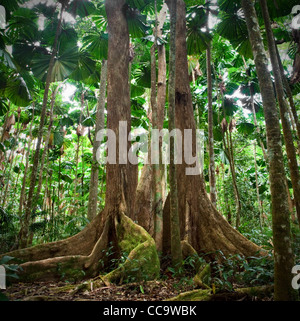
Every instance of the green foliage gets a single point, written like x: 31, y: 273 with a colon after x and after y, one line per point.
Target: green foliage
x: 233, y: 27
x: 11, y: 270
x: 70, y: 274
x: 245, y: 272
x: 96, y: 44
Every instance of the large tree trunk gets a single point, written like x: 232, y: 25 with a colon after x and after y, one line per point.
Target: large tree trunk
x: 284, y: 259
x: 283, y: 107
x: 161, y: 92
x: 209, y: 230
x: 156, y: 186
x: 176, y: 253
x: 144, y: 206
x: 143, y: 202
x: 119, y: 175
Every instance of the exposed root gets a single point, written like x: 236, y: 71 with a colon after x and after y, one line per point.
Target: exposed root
x: 79, y: 244
x: 201, y: 279
x: 142, y: 262
x: 258, y: 292
x: 195, y: 295
x: 70, y: 266
x: 133, y: 241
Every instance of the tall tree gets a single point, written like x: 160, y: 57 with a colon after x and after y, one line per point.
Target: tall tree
x: 176, y: 252
x: 157, y: 187
x: 283, y: 107
x: 284, y: 258
x: 209, y: 231
x: 118, y: 108
x: 212, y: 171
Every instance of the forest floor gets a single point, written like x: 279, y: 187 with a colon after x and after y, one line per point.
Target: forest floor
x: 147, y: 291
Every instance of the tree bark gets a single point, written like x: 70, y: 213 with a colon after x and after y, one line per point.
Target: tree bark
x: 283, y: 107
x: 284, y: 259
x: 156, y: 186
x: 176, y: 253
x: 22, y: 194
x: 212, y: 171
x: 257, y: 189
x: 210, y: 232
x: 93, y: 190
x: 120, y: 177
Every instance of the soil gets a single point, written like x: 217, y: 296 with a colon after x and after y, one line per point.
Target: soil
x: 157, y: 290
x: 147, y: 291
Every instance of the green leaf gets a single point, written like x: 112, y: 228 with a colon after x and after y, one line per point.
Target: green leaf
x: 5, y: 259
x: 85, y: 68
x: 17, y: 92
x: 245, y: 128
x: 96, y: 44
x: 137, y: 24
x: 278, y: 8
x: 3, y: 107
x: 143, y: 76
x: 7, y: 59
x: 197, y: 40
x: 145, y: 5
x: 137, y: 91
x: 233, y: 27
x: 64, y: 65
x: 82, y: 8
x: 58, y: 138
x: 88, y: 122
x: 11, y: 5
x: 229, y: 106
x: 229, y: 6
x: 218, y: 136
x: 66, y: 178
x: 23, y: 25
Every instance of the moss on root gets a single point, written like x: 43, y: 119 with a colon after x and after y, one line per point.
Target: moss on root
x: 195, y: 295
x: 135, y: 243
x: 142, y: 262
x: 259, y: 292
